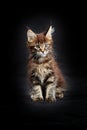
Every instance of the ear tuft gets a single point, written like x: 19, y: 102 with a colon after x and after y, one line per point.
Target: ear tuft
x: 50, y: 32
x: 31, y: 35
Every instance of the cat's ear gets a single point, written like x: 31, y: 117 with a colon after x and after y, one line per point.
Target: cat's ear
x: 31, y: 35
x: 50, y: 32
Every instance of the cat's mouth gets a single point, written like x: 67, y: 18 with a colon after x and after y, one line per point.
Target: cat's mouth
x: 42, y: 54
x: 38, y: 55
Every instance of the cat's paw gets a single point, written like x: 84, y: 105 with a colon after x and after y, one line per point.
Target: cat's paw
x: 38, y: 99
x: 50, y: 99
x: 34, y: 98
x: 60, y: 95
x: 60, y: 92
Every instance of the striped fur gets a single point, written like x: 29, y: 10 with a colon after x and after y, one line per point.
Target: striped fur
x: 44, y: 76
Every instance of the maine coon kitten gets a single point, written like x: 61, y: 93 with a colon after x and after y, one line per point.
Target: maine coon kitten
x: 45, y: 78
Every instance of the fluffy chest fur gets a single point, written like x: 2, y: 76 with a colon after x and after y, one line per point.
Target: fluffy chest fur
x: 42, y: 71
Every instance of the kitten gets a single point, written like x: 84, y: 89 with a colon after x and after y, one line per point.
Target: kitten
x: 45, y: 78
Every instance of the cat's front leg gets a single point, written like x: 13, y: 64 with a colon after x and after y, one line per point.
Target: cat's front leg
x: 51, y: 89
x: 50, y: 93
x: 36, y: 93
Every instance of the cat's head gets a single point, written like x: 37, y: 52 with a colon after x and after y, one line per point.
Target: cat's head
x: 40, y: 44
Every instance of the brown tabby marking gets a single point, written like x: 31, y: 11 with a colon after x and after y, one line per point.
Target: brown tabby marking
x: 46, y: 80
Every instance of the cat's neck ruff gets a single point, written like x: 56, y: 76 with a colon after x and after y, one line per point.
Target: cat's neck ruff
x: 42, y: 60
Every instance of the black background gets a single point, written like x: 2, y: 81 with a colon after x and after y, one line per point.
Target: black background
x: 70, y: 48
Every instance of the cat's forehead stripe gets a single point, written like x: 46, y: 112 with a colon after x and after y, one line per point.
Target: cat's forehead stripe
x: 40, y: 38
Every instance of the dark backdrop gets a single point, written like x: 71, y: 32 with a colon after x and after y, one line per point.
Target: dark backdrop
x: 70, y: 49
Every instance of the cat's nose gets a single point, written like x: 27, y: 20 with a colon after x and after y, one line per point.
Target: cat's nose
x: 42, y: 49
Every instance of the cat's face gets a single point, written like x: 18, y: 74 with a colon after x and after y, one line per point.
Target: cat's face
x: 42, y: 49
x: 40, y: 44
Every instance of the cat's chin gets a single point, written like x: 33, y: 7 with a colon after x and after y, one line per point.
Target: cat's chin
x: 44, y: 55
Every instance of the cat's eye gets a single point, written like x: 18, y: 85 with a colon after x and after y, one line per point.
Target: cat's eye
x: 37, y: 46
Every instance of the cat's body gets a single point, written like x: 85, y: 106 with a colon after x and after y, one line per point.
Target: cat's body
x: 44, y: 75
